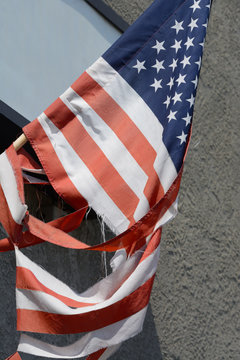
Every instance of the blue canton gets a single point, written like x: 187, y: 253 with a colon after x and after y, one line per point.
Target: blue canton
x: 166, y: 69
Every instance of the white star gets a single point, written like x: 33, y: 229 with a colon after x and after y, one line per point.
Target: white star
x: 174, y: 64
x: 172, y: 116
x: 189, y: 42
x: 209, y: 5
x: 167, y: 102
x: 195, y: 5
x: 181, y: 79
x: 139, y: 66
x: 171, y: 83
x: 159, y: 46
x: 177, y: 45
x: 195, y: 82
x: 177, y: 97
x: 191, y: 100
x: 177, y: 26
x: 182, y: 137
x: 159, y: 65
x: 186, y: 61
x: 193, y: 24
x: 206, y: 24
x: 187, y: 119
x: 157, y: 84
x: 202, y: 44
x: 198, y: 63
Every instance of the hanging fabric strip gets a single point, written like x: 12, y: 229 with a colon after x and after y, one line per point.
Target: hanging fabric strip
x: 14, y: 356
x: 52, y: 232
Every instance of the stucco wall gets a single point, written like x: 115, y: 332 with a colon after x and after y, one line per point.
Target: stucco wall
x: 129, y: 10
x: 194, y: 312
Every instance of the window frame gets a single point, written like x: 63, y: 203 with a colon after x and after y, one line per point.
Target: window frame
x: 14, y: 119
x: 109, y: 14
x: 11, y: 125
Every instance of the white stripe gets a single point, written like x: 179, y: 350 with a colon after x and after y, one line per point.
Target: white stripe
x: 140, y: 113
x: 83, y: 179
x: 9, y: 187
x: 111, y: 146
x: 33, y: 179
x: 106, y: 337
x: 170, y: 214
x: 40, y: 301
x: 95, y: 294
x: 35, y: 171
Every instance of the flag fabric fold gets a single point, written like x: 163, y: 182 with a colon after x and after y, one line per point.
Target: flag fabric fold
x: 115, y: 141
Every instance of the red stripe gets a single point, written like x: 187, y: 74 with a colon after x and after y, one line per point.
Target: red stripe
x: 39, y: 231
x: 116, y: 118
x: 151, y: 247
x: 13, y: 229
x: 42, y: 322
x: 69, y: 222
x: 135, y: 245
x: 93, y: 157
x: 66, y: 223
x: 52, y: 166
x: 25, y: 279
x: 146, y: 225
x: 153, y: 244
x: 14, y: 356
x: 15, y: 163
x: 50, y: 234
x: 6, y: 245
x: 96, y: 355
x: 26, y: 161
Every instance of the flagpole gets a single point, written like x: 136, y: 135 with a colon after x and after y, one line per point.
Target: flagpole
x: 21, y: 140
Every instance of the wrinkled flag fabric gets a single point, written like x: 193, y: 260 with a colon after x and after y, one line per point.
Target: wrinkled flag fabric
x: 114, y: 141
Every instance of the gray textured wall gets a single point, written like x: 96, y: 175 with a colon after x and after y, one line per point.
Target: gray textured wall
x: 129, y: 10
x: 194, y: 312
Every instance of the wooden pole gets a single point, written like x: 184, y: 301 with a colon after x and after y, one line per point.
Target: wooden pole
x: 21, y: 140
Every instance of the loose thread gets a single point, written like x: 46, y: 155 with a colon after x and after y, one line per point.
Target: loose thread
x: 104, y: 254
x: 87, y: 212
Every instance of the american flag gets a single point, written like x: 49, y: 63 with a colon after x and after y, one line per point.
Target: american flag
x: 114, y: 141
x: 117, y: 137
